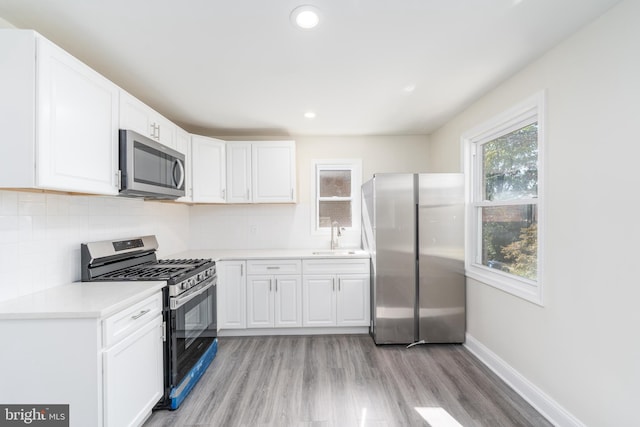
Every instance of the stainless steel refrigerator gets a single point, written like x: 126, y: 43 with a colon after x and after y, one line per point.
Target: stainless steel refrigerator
x: 413, y: 225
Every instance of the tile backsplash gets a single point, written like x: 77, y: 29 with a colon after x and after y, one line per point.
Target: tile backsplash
x: 257, y: 226
x: 41, y: 233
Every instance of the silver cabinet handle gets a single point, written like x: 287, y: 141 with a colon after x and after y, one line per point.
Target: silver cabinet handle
x: 270, y: 283
x: 155, y: 131
x: 339, y: 280
x: 139, y: 315
x: 276, y: 280
x: 247, y: 194
x: 224, y: 191
x: 333, y: 281
x: 241, y: 269
x: 275, y: 267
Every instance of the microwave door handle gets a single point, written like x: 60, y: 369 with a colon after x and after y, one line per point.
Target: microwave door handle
x: 178, y: 164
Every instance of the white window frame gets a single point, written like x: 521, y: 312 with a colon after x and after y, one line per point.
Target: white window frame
x: 355, y: 165
x: 527, y: 112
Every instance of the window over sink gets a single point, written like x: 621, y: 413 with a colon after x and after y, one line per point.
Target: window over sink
x: 337, y: 194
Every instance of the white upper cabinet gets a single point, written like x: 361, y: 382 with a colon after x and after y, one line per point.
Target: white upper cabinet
x: 59, y: 119
x: 239, y: 172
x: 261, y: 172
x: 208, y: 169
x: 139, y: 117
x: 273, y: 172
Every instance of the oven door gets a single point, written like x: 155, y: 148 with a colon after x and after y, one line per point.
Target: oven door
x: 193, y: 328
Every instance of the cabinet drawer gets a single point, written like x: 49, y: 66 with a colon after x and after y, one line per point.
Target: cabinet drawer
x: 335, y: 266
x: 274, y: 266
x: 129, y: 320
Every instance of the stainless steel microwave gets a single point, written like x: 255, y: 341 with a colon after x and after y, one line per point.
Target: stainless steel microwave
x: 149, y: 169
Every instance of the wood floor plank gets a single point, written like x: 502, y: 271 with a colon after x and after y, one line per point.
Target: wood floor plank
x: 336, y: 381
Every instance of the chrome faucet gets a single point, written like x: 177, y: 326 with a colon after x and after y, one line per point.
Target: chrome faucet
x: 335, y: 235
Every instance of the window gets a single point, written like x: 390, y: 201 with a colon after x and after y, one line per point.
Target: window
x: 503, y: 162
x: 337, y: 190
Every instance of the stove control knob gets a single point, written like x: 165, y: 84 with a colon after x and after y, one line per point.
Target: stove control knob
x: 183, y: 285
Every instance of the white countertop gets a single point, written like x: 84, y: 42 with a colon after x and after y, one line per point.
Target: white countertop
x: 245, y: 254
x: 100, y: 299
x: 78, y: 300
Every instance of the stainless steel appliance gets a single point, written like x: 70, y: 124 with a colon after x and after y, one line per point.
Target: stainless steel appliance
x: 149, y: 169
x: 413, y: 225
x: 189, y: 304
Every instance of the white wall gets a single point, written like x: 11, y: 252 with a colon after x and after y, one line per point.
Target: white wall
x: 582, y: 348
x: 289, y: 226
x: 40, y: 234
x: 5, y: 24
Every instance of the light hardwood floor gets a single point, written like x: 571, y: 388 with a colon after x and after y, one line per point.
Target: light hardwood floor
x: 327, y: 381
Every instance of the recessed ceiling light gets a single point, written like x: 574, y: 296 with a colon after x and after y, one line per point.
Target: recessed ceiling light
x: 310, y: 115
x: 409, y: 88
x: 305, y: 17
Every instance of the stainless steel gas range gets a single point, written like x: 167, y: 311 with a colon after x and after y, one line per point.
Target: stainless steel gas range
x: 189, y: 304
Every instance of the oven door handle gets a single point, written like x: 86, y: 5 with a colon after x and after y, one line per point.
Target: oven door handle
x: 181, y: 300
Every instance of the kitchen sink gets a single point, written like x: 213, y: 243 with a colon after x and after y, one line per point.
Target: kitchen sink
x: 336, y: 252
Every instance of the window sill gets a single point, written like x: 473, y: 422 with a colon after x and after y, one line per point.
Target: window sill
x: 506, y: 283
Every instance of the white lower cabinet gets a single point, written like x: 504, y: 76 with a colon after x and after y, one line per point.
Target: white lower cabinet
x: 232, y: 294
x: 336, y: 292
x: 261, y: 295
x: 133, y: 363
x: 108, y: 370
x: 319, y: 300
x: 274, y: 300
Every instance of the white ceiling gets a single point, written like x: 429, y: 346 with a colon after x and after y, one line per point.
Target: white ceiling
x: 239, y: 67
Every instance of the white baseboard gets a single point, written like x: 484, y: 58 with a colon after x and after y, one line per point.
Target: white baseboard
x: 542, y: 402
x: 293, y: 331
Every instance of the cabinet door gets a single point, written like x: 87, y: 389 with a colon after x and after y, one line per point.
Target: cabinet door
x: 208, y: 166
x: 232, y: 298
x: 77, y: 125
x: 134, y: 115
x: 353, y: 300
x: 165, y: 130
x: 319, y: 300
x: 133, y: 376
x: 260, y: 297
x: 238, y: 172
x: 139, y: 117
x: 273, y: 172
x: 288, y: 301
x: 183, y: 145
